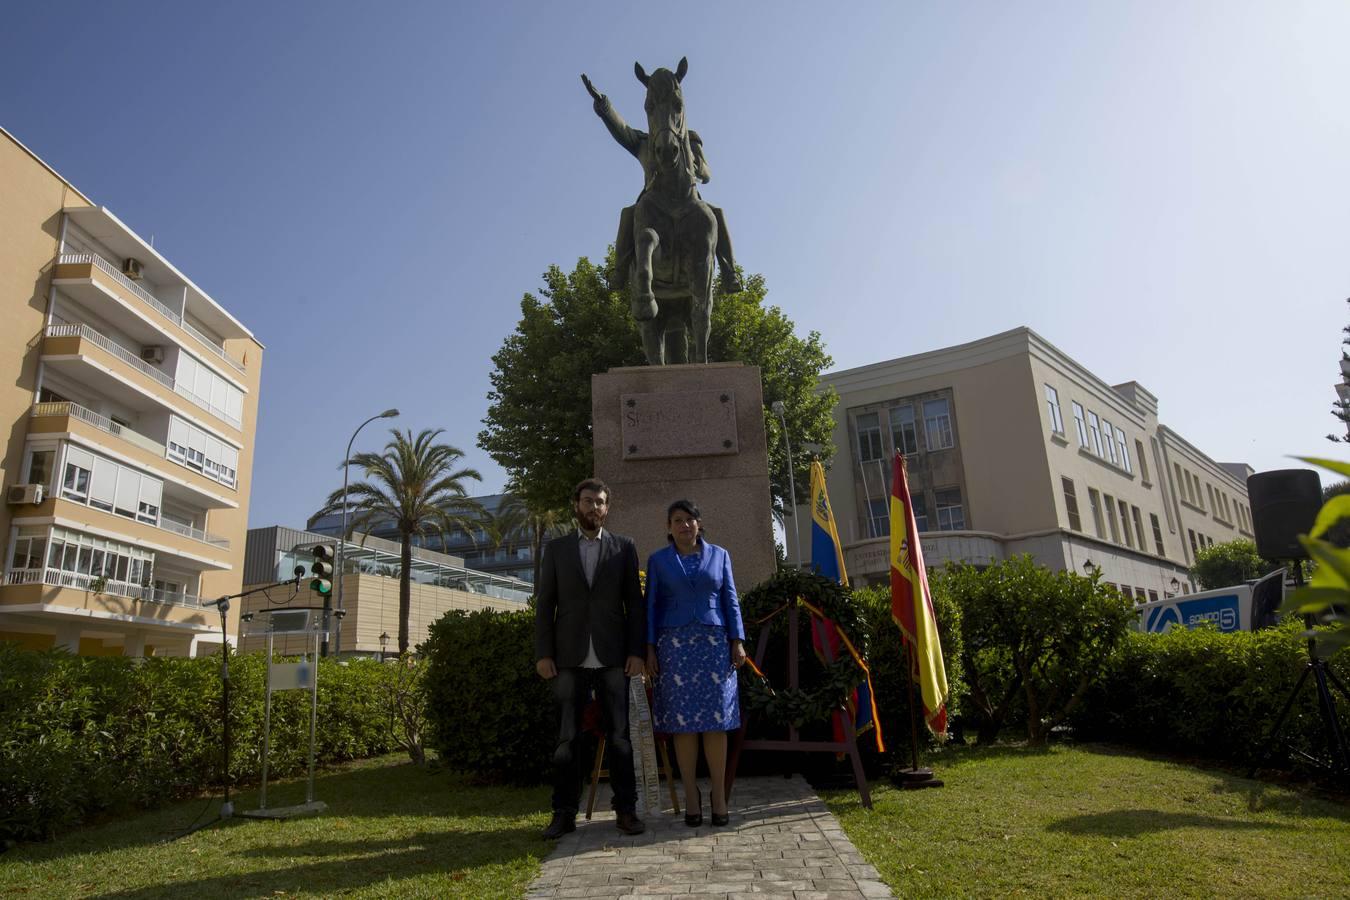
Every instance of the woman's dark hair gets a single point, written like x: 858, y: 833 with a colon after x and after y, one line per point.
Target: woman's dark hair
x: 688, y: 507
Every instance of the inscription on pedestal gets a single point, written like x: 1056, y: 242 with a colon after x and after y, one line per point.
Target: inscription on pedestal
x: 678, y: 424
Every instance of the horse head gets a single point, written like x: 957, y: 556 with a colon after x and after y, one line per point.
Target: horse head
x: 665, y: 118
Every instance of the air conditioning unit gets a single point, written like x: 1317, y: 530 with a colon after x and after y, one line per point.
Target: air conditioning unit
x: 25, y: 493
x: 132, y: 268
x: 153, y: 353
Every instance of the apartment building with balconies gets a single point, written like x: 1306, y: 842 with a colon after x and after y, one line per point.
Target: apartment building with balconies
x: 130, y: 397
x: 1012, y: 446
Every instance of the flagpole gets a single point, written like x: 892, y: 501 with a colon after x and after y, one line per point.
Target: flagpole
x: 913, y: 720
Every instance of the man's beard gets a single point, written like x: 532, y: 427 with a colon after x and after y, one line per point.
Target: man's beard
x: 590, y: 521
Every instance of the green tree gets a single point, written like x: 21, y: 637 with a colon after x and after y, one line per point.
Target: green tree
x: 538, y: 424
x: 1229, y: 563
x: 1341, y: 408
x: 515, y: 516
x: 1032, y: 638
x: 413, y: 484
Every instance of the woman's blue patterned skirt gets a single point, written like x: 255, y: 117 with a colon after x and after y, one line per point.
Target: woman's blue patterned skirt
x: 696, y: 688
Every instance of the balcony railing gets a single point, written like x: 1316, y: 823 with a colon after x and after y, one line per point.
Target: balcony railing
x: 195, y: 533
x: 145, y: 296
x: 122, y: 353
x: 58, y: 578
x: 116, y: 349
x: 103, y: 423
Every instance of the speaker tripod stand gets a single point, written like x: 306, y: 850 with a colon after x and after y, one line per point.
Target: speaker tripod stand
x: 1324, y: 678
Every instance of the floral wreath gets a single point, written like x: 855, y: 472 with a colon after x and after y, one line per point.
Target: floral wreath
x: 819, y: 596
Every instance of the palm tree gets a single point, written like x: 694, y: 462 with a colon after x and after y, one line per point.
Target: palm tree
x: 515, y: 515
x: 414, y: 485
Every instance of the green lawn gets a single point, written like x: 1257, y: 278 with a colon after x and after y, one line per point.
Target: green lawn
x: 1093, y: 821
x: 391, y: 830
x: 1085, y: 821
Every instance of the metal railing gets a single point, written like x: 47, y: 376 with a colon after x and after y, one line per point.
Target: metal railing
x: 116, y: 349
x: 103, y: 423
x: 195, y: 533
x: 83, y: 582
x: 212, y: 346
x: 145, y: 296
x: 122, y: 353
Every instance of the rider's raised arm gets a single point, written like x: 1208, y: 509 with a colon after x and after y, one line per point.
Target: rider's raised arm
x: 629, y: 138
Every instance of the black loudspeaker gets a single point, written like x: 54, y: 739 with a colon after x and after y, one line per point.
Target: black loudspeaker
x: 1284, y: 505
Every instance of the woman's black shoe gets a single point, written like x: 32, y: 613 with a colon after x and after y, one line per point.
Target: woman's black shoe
x: 695, y: 819
x: 720, y: 819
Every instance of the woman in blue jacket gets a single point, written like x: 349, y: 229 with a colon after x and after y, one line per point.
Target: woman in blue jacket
x: 695, y: 642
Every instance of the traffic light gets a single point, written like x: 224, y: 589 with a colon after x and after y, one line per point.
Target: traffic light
x: 321, y: 572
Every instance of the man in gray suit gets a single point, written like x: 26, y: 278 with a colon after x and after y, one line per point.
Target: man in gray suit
x: 590, y: 633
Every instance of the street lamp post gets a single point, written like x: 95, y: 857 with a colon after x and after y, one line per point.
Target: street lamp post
x: 384, y: 642
x: 342, y: 536
x: 781, y: 411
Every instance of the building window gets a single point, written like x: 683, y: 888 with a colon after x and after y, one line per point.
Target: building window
x: 920, y: 507
x: 40, y: 466
x: 1125, y: 523
x: 904, y: 437
x: 1124, y: 451
x: 937, y: 424
x: 1052, y: 400
x: 1143, y: 463
x: 1194, y: 548
x: 79, y: 469
x: 1152, y: 596
x: 1181, y: 485
x: 950, y: 514
x: 1071, y: 504
x: 1095, y: 432
x: 1094, y: 501
x: 1157, y: 533
x: 1111, y: 518
x: 1209, y: 489
x: 1079, y: 424
x: 869, y: 438
x: 1140, y: 595
x: 1108, y: 433
x: 878, y: 517
x: 1139, y: 528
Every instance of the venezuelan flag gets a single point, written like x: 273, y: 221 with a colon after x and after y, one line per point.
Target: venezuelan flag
x: 827, y: 559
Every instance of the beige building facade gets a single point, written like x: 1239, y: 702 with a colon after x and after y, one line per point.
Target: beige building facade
x: 130, y: 397
x: 1011, y: 447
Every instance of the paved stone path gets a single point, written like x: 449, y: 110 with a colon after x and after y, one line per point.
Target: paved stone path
x: 782, y: 842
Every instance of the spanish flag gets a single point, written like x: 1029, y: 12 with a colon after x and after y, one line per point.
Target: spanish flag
x: 912, y: 604
x: 827, y: 559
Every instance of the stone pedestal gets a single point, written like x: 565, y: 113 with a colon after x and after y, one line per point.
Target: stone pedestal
x: 662, y: 433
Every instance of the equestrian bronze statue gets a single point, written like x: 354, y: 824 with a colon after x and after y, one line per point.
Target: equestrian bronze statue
x: 670, y: 239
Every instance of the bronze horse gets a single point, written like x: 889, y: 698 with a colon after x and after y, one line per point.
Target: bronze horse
x: 670, y: 240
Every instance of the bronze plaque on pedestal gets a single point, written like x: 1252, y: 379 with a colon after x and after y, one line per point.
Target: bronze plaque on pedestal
x: 678, y: 424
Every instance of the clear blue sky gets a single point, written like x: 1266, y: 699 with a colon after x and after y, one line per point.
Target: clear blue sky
x: 1161, y: 189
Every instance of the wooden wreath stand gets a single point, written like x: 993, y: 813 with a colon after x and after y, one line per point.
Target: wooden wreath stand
x: 794, y: 742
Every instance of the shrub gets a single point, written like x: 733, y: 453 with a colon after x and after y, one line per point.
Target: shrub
x: 488, y: 712
x: 1209, y: 693
x: 1232, y: 562
x: 888, y: 663
x: 79, y: 735
x: 1033, y: 640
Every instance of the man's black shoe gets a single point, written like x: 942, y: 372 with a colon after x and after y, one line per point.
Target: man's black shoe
x: 562, y: 823
x: 629, y: 823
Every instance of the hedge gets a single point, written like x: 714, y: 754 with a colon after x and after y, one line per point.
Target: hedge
x: 491, y: 715
x: 80, y: 735
x: 1206, y: 693
x: 488, y: 711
